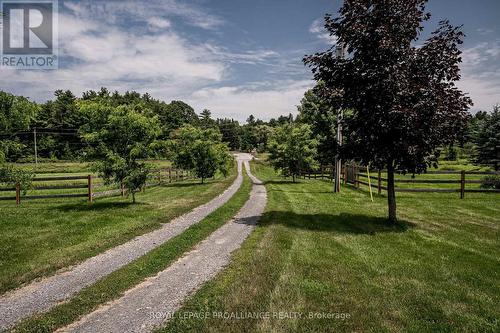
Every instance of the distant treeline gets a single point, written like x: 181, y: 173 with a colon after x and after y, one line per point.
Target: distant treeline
x: 56, y: 124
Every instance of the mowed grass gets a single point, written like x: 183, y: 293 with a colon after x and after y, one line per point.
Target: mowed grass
x: 116, y: 283
x: 320, y: 254
x: 41, y: 236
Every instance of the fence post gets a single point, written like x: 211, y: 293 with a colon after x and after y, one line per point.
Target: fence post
x: 89, y: 186
x: 462, y: 184
x: 379, y: 186
x: 356, y: 178
x: 122, y: 189
x: 170, y: 174
x: 18, y: 193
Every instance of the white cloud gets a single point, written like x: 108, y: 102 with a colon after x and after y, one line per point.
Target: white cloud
x: 97, y: 50
x: 279, y: 98
x: 251, y: 57
x: 317, y: 28
x: 124, y: 11
x: 481, y: 74
x: 485, y: 31
x: 480, y: 53
x: 159, y: 23
x: 103, y: 55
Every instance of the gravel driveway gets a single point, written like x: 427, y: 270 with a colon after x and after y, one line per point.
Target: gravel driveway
x: 41, y: 295
x: 149, y: 305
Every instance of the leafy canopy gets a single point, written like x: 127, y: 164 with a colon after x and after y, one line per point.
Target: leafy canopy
x: 316, y: 111
x: 292, y: 149
x: 201, y: 151
x: 119, y: 138
x: 16, y: 114
x: 488, y: 140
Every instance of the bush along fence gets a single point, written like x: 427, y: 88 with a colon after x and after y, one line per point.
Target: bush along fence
x: 85, y: 186
x: 446, y: 181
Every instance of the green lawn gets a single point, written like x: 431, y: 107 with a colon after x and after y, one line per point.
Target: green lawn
x: 459, y: 165
x: 41, y: 236
x: 325, y: 254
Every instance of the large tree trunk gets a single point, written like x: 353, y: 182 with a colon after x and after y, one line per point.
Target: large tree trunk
x: 391, y: 193
x: 133, y: 196
x: 293, y: 177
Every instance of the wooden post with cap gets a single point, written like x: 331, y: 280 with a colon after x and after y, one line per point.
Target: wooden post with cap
x: 89, y: 187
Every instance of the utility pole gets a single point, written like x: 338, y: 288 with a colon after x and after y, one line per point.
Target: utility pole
x: 338, y: 160
x: 340, y: 54
x: 36, y: 152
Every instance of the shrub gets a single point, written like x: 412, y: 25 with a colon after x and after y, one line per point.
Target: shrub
x: 10, y: 175
x: 491, y: 182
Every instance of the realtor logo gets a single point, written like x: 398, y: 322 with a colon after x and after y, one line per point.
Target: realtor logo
x: 29, y: 31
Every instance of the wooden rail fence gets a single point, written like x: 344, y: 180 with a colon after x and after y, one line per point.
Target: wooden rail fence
x: 88, y: 182
x: 354, y: 175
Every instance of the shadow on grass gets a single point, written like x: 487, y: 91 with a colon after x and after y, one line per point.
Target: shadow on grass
x: 281, y: 182
x: 96, y: 206
x: 342, y: 223
x: 250, y: 220
x: 302, y: 192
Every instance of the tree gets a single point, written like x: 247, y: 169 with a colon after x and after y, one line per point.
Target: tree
x: 488, y: 140
x: 62, y: 118
x: 206, y: 120
x: 403, y: 96
x: 316, y: 111
x: 292, y: 149
x: 262, y: 135
x: 16, y: 114
x: 475, y: 125
x: 200, y: 150
x: 118, y: 138
x: 231, y: 132
x: 12, y: 176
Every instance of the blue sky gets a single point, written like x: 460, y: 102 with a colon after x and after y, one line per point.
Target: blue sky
x: 233, y: 57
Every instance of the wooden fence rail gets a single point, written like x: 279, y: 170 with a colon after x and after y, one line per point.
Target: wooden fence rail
x: 157, y: 177
x: 352, y: 174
